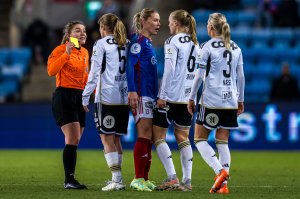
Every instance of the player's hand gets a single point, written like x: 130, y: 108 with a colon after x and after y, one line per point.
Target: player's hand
x: 161, y: 103
x: 69, y: 46
x: 86, y: 109
x: 191, y: 107
x: 133, y: 100
x: 240, y: 108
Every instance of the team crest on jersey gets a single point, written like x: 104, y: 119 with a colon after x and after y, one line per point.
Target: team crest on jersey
x: 212, y: 119
x: 108, y: 121
x: 135, y: 48
x: 153, y: 60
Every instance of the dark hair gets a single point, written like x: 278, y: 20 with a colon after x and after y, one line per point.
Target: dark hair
x: 68, y: 28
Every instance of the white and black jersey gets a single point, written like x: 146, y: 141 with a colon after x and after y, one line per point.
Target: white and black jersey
x: 224, y: 82
x: 181, y: 55
x: 107, y: 73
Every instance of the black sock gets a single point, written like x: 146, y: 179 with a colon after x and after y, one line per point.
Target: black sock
x: 69, y: 160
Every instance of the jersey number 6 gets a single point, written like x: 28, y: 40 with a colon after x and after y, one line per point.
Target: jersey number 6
x: 191, y: 66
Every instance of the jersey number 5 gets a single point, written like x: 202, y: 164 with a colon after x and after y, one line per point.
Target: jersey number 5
x: 121, y: 58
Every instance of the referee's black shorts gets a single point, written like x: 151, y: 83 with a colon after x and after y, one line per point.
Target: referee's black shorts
x: 67, y: 106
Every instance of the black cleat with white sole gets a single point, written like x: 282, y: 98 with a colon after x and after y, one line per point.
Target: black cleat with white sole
x: 74, y: 184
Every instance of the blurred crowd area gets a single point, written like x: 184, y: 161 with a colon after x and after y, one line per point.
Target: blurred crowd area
x: 267, y: 31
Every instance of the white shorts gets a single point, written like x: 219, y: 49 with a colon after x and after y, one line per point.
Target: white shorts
x: 144, y: 109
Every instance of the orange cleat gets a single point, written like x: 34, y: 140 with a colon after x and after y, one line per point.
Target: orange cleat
x: 224, y: 189
x: 221, y: 177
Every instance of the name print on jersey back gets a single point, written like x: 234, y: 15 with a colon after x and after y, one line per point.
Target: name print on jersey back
x: 181, y: 54
x: 220, y: 73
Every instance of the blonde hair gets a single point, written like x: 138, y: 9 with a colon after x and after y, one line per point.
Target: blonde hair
x: 186, y: 20
x: 114, y: 25
x: 68, y: 29
x: 142, y: 15
x: 220, y: 25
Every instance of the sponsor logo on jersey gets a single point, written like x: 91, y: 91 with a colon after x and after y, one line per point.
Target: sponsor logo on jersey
x: 123, y: 91
x: 108, y: 121
x: 149, y: 105
x: 187, y: 91
x: 94, y: 53
x: 212, y: 119
x: 148, y: 43
x: 226, y: 95
x: 184, y: 39
x: 135, y: 48
x: 111, y: 41
x: 153, y: 60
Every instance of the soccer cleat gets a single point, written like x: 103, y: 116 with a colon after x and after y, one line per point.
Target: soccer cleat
x: 74, y: 184
x: 185, y: 186
x: 221, y: 177
x: 224, y: 189
x: 150, y: 185
x: 139, y: 184
x: 168, y: 185
x: 113, y: 186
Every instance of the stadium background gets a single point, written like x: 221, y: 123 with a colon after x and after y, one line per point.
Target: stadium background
x: 25, y: 89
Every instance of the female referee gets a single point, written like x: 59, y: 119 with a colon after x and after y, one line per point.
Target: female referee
x: 70, y: 65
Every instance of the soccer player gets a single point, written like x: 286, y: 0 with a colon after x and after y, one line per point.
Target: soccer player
x: 70, y: 65
x: 142, y: 91
x: 108, y: 76
x: 221, y: 69
x: 180, y: 58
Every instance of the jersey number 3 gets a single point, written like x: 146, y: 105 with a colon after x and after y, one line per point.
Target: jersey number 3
x: 225, y: 55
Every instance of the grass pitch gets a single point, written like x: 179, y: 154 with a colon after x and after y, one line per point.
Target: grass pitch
x: 39, y: 174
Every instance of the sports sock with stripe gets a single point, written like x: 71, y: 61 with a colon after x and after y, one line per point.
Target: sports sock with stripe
x: 165, y: 156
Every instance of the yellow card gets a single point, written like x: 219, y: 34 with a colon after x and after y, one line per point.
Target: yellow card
x: 74, y: 41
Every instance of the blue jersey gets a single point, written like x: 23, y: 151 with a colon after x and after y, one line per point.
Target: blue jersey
x: 141, y: 67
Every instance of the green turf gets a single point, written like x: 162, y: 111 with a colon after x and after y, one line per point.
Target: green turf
x: 39, y: 174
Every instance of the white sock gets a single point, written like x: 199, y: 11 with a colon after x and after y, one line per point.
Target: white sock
x: 120, y: 158
x: 209, y: 155
x: 112, y: 160
x: 224, y: 154
x: 186, y: 158
x: 165, y: 156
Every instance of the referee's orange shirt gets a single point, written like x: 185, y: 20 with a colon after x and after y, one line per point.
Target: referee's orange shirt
x: 71, y: 71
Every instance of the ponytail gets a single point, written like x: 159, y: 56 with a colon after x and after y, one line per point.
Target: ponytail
x: 220, y: 25
x: 226, y: 35
x: 192, y: 28
x: 137, y: 22
x: 115, y: 26
x: 119, y: 33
